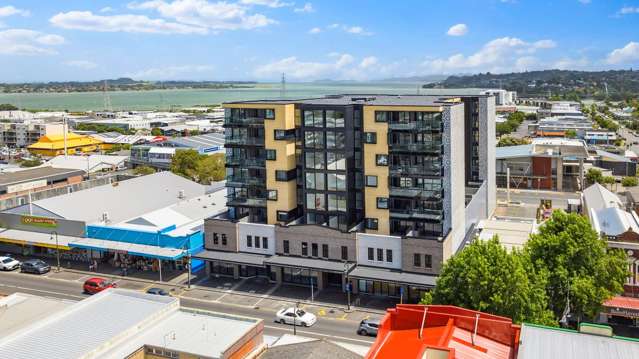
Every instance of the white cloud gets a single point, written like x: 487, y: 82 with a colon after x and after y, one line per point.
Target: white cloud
x: 87, y: 21
x: 355, y: 30
x: 28, y: 42
x: 626, y: 54
x: 202, y: 13
x: 526, y: 63
x: 268, y: 3
x: 340, y: 67
x: 307, y: 8
x: 627, y: 10
x: 181, y: 72
x: 315, y: 30
x: 499, y: 55
x: 82, y: 64
x: 368, y: 62
x: 458, y: 30
x: 106, y: 9
x: 6, y: 11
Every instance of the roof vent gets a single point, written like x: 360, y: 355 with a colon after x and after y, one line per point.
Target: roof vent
x: 105, y: 217
x: 181, y: 194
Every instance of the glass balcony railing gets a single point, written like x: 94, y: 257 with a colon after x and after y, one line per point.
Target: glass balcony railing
x: 428, y: 214
x: 416, y: 170
x: 246, y: 201
x: 414, y: 126
x: 257, y: 162
x: 246, y: 121
x: 433, y: 147
x: 414, y: 192
x: 240, y: 181
x: 244, y: 140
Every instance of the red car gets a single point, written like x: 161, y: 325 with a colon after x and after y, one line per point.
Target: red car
x: 96, y: 285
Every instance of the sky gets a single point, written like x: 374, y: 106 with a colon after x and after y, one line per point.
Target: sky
x: 64, y: 40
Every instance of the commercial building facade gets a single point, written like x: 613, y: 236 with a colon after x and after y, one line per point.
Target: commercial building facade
x: 371, y: 187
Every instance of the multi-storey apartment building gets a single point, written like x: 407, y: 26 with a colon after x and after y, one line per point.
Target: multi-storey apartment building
x: 22, y: 134
x: 373, y: 190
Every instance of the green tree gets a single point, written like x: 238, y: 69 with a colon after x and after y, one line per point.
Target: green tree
x: 608, y: 180
x: 629, y: 182
x: 31, y: 162
x: 506, y: 141
x: 156, y: 131
x: 503, y: 128
x: 143, y: 170
x: 578, y: 263
x: 7, y: 107
x: 185, y: 163
x: 571, y: 133
x: 594, y: 176
x: 485, y: 277
x: 211, y: 168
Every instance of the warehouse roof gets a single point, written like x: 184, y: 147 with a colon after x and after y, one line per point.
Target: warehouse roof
x: 92, y: 163
x: 202, y: 141
x: 19, y: 310
x: 38, y: 173
x: 51, y: 142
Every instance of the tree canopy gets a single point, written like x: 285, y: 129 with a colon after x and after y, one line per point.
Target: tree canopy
x: 506, y: 141
x: 198, y: 167
x: 594, y: 176
x: 143, y: 170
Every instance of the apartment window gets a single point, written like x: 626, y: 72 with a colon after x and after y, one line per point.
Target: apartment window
x: 271, y: 195
x: 335, y: 161
x: 282, y: 216
x: 371, y: 254
x: 334, y: 118
x: 269, y: 114
x: 257, y: 242
x: 382, y: 202
x: 315, y: 180
x: 417, y: 260
x: 428, y: 261
x: 371, y: 181
x: 344, y: 253
x: 314, y: 249
x: 381, y: 116
x: 271, y: 155
x: 284, y: 134
x: 334, y: 140
x: 336, y: 182
x: 265, y: 242
x: 249, y: 241
x: 285, y: 246
x: 389, y: 255
x: 371, y: 223
x: 285, y: 176
x: 381, y: 160
x: 336, y: 202
x: 380, y: 255
x: 316, y: 201
x: 325, y: 250
x: 224, y: 239
x: 215, y: 239
x: 370, y: 137
x: 304, y: 248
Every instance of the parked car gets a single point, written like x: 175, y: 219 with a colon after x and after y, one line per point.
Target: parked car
x: 368, y: 327
x: 97, y: 284
x: 157, y: 291
x: 8, y: 263
x: 37, y: 266
x: 292, y: 315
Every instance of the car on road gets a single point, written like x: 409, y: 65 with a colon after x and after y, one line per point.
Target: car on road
x: 295, y: 315
x: 157, y: 291
x: 36, y: 266
x: 97, y: 284
x: 8, y: 263
x: 368, y: 327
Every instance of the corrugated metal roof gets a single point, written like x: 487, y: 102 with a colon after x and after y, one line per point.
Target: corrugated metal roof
x: 513, y: 151
x: 542, y: 342
x: 599, y: 197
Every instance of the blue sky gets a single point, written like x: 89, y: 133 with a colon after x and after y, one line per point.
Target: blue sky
x: 259, y: 39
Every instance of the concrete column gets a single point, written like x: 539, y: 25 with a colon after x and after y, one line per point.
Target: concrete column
x: 354, y: 285
x: 278, y: 274
x: 236, y: 271
x: 560, y: 174
x: 581, y: 174
x: 320, y: 280
x: 207, y: 268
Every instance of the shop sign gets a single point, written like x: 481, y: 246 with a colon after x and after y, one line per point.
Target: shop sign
x: 624, y: 312
x: 39, y: 221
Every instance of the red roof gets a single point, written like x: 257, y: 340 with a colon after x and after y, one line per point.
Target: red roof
x: 623, y: 302
x: 447, y: 330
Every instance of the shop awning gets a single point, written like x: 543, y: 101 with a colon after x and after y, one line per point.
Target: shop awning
x: 310, y: 263
x: 232, y: 257
x: 622, y: 306
x: 133, y: 249
x: 389, y: 275
x: 37, y: 239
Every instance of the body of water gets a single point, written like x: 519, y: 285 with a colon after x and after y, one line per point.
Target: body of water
x: 167, y: 99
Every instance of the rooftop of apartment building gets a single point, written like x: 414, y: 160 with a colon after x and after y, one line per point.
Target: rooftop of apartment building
x: 545, y: 147
x: 375, y: 99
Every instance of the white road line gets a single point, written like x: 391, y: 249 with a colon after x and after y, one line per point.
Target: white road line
x: 320, y: 334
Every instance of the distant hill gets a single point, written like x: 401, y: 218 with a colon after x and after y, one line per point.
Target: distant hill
x: 566, y: 84
x: 120, y: 84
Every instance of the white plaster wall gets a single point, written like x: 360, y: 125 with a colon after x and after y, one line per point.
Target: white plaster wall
x: 260, y: 230
x: 365, y: 241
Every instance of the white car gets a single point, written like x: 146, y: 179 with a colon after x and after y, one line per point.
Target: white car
x: 8, y: 263
x: 300, y: 317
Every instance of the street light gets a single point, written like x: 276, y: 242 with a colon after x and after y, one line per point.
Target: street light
x: 348, y: 286
x: 297, y: 304
x: 57, y: 248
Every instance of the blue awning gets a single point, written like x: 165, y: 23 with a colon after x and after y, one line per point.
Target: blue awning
x: 142, y: 250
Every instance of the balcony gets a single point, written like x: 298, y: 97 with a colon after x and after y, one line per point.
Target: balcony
x: 424, y: 214
x: 244, y: 141
x: 414, y: 126
x: 239, y: 181
x: 416, y: 170
x: 247, y: 121
x: 246, y: 202
x: 413, y: 192
x: 256, y: 162
x: 434, y: 147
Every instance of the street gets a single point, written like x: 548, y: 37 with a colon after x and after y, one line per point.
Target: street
x: 343, y: 330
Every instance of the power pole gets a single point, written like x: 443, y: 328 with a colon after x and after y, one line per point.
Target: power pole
x: 283, y: 86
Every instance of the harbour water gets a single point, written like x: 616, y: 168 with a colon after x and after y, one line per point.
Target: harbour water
x: 168, y: 99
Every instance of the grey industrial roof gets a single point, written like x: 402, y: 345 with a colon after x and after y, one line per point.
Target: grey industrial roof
x: 37, y: 237
x: 232, y: 257
x: 315, y: 349
x: 390, y: 275
x: 513, y: 151
x: 122, y: 200
x: 311, y: 263
x: 20, y: 310
x: 38, y: 173
x: 201, y: 141
x: 612, y: 156
x: 544, y: 342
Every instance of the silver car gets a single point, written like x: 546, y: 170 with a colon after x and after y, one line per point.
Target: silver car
x: 368, y: 327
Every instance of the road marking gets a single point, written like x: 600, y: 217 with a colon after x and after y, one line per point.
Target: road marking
x: 143, y: 290
x: 343, y: 317
x: 319, y: 334
x: 321, y: 312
